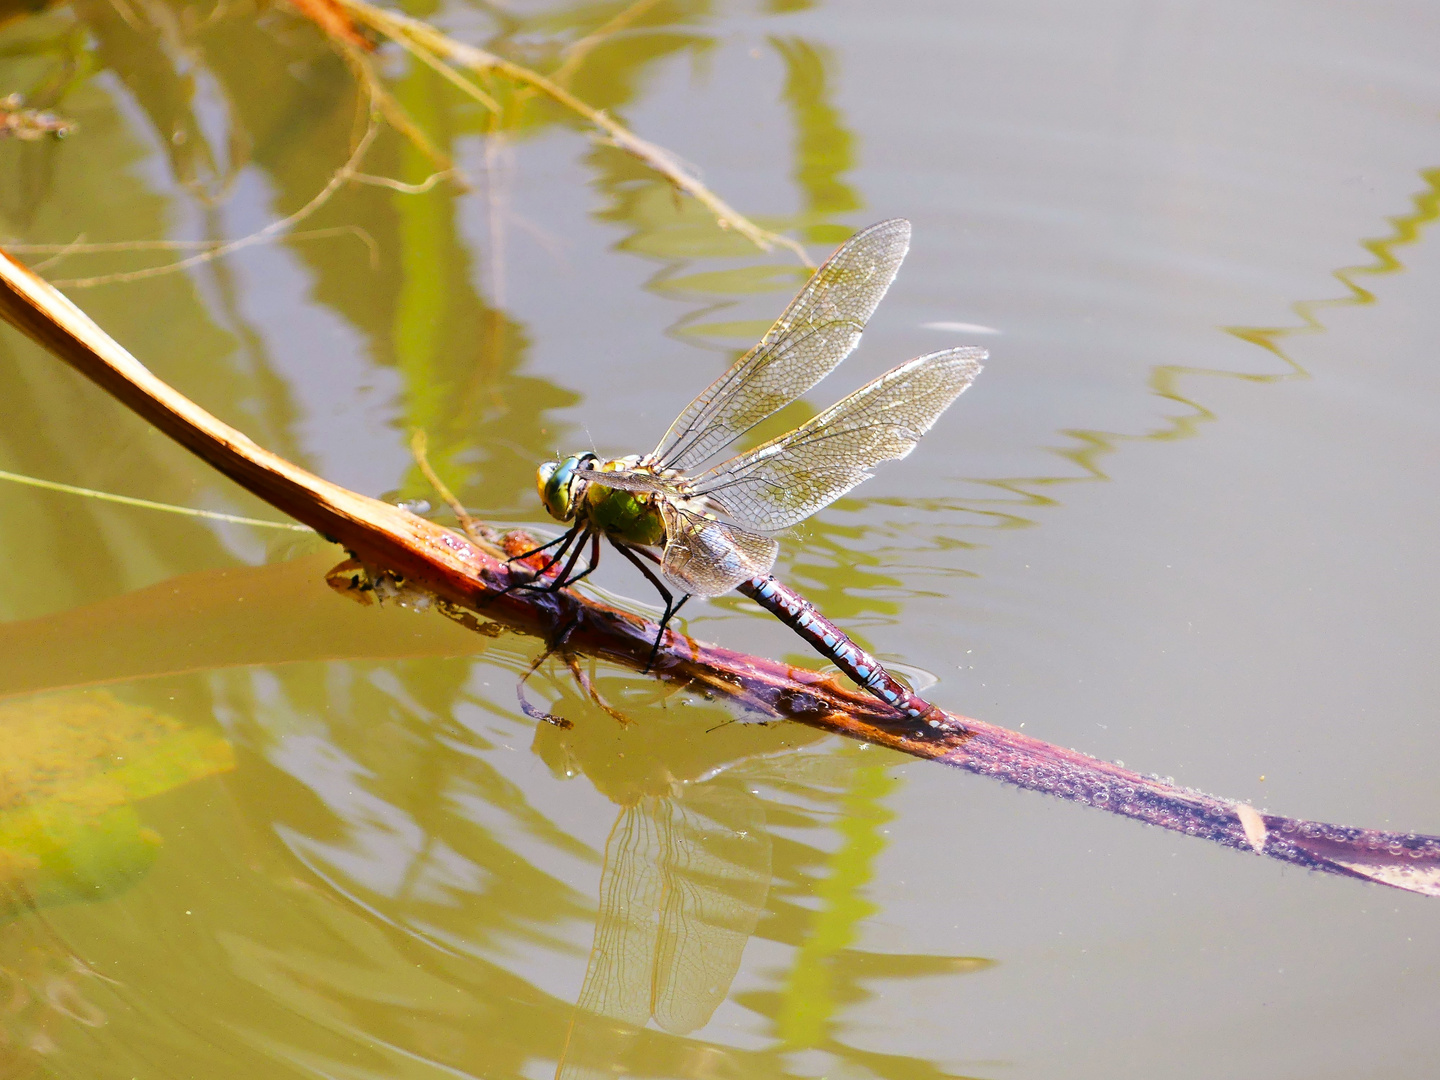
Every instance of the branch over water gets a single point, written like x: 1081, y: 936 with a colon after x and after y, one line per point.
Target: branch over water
x: 467, y: 579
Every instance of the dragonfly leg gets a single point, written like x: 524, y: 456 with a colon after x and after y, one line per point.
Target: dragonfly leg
x: 557, y: 643
x: 671, y: 610
x: 584, y: 682
x: 593, y: 561
x: 543, y: 547
x: 675, y: 610
x: 564, y: 543
x: 564, y: 579
x: 525, y: 706
x: 671, y: 607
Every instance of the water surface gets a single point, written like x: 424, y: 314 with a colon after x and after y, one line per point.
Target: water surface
x: 1185, y: 519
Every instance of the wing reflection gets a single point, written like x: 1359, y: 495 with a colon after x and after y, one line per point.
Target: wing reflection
x: 685, y: 878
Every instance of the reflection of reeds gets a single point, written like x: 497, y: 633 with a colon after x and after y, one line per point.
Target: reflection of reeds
x: 808, y: 1002
x: 347, y: 173
x: 829, y: 973
x: 1166, y: 380
x: 824, y: 144
x: 449, y: 58
x: 458, y: 63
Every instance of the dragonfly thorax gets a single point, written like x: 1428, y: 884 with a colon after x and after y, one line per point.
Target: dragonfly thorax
x: 632, y: 517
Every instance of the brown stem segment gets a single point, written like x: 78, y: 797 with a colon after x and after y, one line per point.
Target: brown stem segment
x: 471, y: 583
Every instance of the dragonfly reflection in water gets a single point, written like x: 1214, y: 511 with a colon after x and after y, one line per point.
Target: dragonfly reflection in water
x: 711, y: 527
x: 685, y: 878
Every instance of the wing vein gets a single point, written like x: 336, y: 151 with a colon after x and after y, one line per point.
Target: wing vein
x: 787, y: 479
x: 816, y: 332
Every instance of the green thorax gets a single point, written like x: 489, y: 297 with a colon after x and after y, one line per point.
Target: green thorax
x: 632, y: 517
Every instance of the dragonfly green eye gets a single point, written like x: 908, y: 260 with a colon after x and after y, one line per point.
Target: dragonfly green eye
x: 553, y: 494
x: 556, y: 482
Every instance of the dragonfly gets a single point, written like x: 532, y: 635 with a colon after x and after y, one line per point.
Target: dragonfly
x: 710, y: 530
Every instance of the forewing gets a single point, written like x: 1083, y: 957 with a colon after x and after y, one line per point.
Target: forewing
x: 817, y: 331
x: 705, y: 557
x: 787, y: 479
x: 627, y: 479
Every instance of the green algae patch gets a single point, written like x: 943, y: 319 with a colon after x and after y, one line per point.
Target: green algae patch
x: 71, y: 770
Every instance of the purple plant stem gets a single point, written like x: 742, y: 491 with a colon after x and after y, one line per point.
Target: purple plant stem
x: 1407, y: 861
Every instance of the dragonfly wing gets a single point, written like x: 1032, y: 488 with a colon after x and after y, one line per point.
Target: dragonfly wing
x: 619, y: 975
x: 705, y: 557
x: 787, y: 479
x: 628, y: 480
x: 816, y: 332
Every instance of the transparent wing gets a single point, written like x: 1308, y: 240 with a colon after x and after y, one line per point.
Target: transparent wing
x: 817, y: 331
x: 684, y: 883
x: 705, y: 557
x: 787, y: 479
x: 717, y: 866
x: 629, y: 480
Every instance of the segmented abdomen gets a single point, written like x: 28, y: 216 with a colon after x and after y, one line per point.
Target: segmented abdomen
x: 830, y: 641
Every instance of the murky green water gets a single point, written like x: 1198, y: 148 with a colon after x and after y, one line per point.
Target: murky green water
x: 1186, y: 518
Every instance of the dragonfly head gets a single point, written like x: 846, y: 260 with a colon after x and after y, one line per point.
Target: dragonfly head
x: 560, y: 487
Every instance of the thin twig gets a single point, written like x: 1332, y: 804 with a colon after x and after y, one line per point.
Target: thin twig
x: 576, y: 52
x: 446, y: 72
x: 481, y: 534
x: 79, y: 247
x: 61, y: 250
x: 378, y: 98
x: 400, y: 185
x: 146, y: 504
